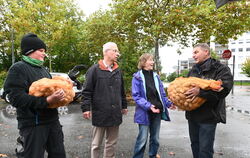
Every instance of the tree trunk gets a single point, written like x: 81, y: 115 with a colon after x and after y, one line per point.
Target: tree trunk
x: 157, y: 57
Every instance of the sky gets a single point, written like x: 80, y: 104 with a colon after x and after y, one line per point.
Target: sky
x: 168, y: 56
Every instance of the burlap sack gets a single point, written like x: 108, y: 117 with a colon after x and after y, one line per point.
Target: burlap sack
x: 180, y: 85
x: 46, y: 87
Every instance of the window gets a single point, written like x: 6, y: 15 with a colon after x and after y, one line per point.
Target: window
x: 248, y: 49
x: 240, y: 49
x: 240, y: 58
x: 232, y: 42
x: 219, y: 52
x: 233, y: 50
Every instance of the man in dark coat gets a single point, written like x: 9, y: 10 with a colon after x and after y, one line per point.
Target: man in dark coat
x: 203, y: 120
x: 104, y: 100
x: 38, y: 125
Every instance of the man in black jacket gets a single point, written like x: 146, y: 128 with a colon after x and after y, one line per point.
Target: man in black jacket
x: 104, y: 100
x: 203, y: 120
x: 38, y: 125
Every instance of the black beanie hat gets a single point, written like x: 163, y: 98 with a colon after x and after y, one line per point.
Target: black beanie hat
x: 30, y: 43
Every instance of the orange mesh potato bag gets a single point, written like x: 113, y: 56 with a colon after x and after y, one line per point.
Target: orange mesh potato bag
x: 180, y: 85
x: 47, y: 86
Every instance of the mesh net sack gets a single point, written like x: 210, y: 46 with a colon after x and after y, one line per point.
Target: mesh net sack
x: 45, y: 87
x: 180, y: 85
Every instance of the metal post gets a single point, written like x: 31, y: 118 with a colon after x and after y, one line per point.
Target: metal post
x: 179, y: 53
x: 233, y: 73
x: 157, y: 58
x: 178, y: 69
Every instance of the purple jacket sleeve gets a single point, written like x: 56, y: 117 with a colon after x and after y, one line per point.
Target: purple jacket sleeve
x: 138, y: 94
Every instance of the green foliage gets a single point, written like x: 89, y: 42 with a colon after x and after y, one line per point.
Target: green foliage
x: 246, y: 67
x: 242, y: 83
x: 57, y: 22
x: 184, y: 73
x: 155, y: 23
x: 3, y: 75
x: 137, y: 26
x: 214, y: 55
x: 172, y: 76
x: 163, y: 77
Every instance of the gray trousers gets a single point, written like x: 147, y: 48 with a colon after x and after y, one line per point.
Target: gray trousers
x: 111, y: 136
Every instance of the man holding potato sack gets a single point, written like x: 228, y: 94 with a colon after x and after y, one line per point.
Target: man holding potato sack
x: 38, y: 125
x: 203, y: 120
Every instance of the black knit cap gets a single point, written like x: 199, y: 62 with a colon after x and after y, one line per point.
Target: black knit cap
x: 30, y: 43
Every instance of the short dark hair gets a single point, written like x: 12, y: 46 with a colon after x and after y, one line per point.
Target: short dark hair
x: 203, y: 46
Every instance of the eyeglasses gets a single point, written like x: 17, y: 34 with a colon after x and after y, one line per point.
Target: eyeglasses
x: 115, y: 50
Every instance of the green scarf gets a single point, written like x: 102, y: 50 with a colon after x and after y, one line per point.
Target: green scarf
x: 32, y: 61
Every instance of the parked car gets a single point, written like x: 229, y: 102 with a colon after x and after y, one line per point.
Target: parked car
x: 76, y: 88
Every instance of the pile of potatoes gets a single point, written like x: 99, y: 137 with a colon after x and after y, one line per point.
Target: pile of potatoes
x: 180, y: 85
x: 46, y: 87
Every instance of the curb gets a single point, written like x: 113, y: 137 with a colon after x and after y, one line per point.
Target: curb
x: 238, y: 110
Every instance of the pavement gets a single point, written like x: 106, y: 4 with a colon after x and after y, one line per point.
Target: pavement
x: 238, y: 99
x: 232, y: 139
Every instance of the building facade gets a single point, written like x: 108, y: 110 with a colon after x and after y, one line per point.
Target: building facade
x: 240, y: 49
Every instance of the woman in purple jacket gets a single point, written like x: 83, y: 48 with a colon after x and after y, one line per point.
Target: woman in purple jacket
x: 151, y: 106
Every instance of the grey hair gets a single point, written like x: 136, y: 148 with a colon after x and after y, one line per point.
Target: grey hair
x: 203, y: 46
x: 143, y: 59
x: 107, y: 45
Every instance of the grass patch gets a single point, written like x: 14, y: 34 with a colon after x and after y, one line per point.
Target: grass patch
x: 241, y: 83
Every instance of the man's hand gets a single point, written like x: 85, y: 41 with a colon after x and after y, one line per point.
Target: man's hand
x: 172, y: 107
x: 124, y: 111
x: 193, y: 92
x: 56, y: 97
x: 86, y: 114
x: 154, y: 110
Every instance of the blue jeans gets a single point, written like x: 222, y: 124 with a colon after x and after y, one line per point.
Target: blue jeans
x: 202, y: 139
x: 141, y: 141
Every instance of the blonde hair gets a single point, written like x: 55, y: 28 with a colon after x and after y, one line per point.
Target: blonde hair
x: 143, y: 59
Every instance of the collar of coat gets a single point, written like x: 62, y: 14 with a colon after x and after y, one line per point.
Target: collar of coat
x: 207, y: 65
x: 103, y: 67
x: 138, y: 74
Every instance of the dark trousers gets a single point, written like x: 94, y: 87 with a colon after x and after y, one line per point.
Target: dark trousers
x: 35, y: 140
x: 202, y: 139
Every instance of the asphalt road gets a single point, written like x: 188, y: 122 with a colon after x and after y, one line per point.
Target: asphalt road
x: 232, y: 139
x: 239, y: 98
